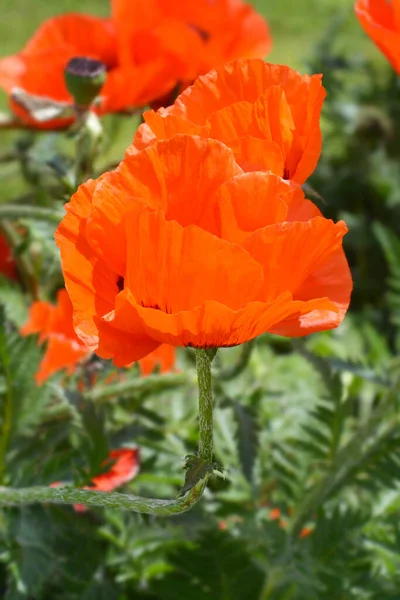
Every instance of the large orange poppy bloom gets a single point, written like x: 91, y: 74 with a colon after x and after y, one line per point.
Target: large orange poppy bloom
x: 227, y: 29
x: 268, y: 114
x: 65, y: 350
x: 381, y: 21
x: 178, y: 245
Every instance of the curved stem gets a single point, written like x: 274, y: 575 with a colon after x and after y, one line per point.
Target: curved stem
x: 196, y: 476
x: 149, y: 506
x: 18, y: 211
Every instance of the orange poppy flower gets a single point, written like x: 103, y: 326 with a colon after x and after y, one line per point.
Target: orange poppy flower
x: 7, y: 263
x: 226, y: 29
x: 146, y: 47
x: 381, y: 21
x: 39, y: 67
x: 179, y: 246
x: 125, y: 468
x: 54, y: 324
x: 65, y: 350
x: 268, y: 114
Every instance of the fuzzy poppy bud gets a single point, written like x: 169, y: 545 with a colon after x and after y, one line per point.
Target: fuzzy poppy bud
x: 84, y: 78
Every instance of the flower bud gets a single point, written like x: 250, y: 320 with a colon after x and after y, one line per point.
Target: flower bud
x: 84, y: 78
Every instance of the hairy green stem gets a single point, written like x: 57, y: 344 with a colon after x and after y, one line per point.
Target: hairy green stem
x: 206, y: 427
x: 152, y: 506
x: 149, y: 506
x: 19, y: 211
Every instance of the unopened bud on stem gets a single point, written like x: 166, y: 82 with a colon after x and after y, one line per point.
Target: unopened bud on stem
x: 84, y: 78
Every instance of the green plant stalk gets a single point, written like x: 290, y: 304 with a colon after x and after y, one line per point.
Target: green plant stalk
x: 206, y: 426
x: 18, y: 211
x: 151, y: 506
x: 346, y: 460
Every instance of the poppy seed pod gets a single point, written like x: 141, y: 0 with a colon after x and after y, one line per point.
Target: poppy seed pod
x: 84, y: 79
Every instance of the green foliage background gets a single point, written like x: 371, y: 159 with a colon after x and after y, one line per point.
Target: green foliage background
x: 310, y: 427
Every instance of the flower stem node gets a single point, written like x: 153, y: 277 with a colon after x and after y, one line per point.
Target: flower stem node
x: 197, y: 469
x: 84, y: 79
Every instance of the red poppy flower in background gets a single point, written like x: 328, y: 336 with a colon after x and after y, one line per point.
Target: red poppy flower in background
x: 146, y: 47
x: 125, y: 468
x: 54, y: 324
x: 7, y: 263
x: 226, y: 29
x: 39, y: 67
x: 178, y: 245
x: 381, y: 21
x: 268, y: 114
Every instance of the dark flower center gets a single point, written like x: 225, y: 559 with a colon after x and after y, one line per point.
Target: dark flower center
x: 205, y: 36
x: 120, y: 283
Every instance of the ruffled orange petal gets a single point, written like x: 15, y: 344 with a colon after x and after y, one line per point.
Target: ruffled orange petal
x: 209, y: 325
x: 163, y: 359
x: 291, y: 252
x: 238, y: 80
x: 333, y: 280
x: 91, y: 285
x: 249, y: 202
x: 256, y: 154
x: 179, y: 176
x: 268, y: 114
x: 380, y: 21
x: 162, y: 254
x: 78, y: 34
x: 272, y: 118
x: 161, y: 125
x: 300, y: 208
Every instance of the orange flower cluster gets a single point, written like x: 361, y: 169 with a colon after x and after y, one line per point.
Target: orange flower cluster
x: 125, y: 468
x: 147, y: 47
x: 7, y: 263
x: 64, y: 350
x: 381, y: 21
x: 185, y: 244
